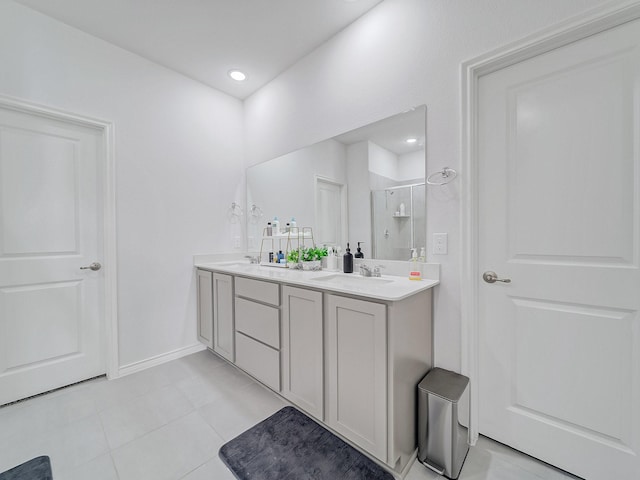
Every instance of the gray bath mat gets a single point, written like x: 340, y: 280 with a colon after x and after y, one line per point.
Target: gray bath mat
x: 290, y: 446
x: 38, y: 468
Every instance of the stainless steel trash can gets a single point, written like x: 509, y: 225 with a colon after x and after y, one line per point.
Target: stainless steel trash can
x: 443, y: 421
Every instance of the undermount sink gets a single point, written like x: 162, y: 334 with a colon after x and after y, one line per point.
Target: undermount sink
x: 352, y: 280
x: 240, y: 265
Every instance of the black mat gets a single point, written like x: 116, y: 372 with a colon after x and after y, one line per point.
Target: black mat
x: 290, y: 446
x: 38, y: 468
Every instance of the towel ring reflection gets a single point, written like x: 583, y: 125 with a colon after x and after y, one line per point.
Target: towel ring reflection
x: 234, y: 213
x: 255, y: 213
x: 445, y: 176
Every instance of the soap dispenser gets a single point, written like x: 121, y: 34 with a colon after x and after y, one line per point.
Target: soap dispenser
x: 414, y: 269
x: 359, y: 253
x: 347, y: 261
x: 276, y: 226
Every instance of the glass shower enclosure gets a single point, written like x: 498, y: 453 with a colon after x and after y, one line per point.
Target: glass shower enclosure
x: 398, y: 221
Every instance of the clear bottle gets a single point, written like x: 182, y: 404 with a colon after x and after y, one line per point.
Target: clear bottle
x: 332, y: 259
x: 292, y: 222
x: 414, y: 268
x: 276, y: 226
x: 269, y: 229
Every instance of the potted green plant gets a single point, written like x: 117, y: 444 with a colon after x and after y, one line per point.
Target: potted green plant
x: 306, y: 258
x: 293, y: 258
x: 313, y: 254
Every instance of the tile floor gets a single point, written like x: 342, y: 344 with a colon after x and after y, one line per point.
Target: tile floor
x: 168, y: 422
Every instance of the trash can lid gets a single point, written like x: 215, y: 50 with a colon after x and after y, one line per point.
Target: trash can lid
x: 444, y: 383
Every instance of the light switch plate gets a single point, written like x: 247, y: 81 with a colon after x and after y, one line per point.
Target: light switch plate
x: 440, y: 246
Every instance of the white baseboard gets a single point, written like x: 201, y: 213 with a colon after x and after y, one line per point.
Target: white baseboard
x: 159, y: 359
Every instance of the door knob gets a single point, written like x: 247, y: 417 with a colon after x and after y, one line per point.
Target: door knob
x: 95, y: 266
x: 492, y: 277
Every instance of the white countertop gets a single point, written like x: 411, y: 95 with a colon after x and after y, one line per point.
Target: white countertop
x: 388, y: 287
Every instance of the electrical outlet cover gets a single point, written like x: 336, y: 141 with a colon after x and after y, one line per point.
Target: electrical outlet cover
x: 440, y: 246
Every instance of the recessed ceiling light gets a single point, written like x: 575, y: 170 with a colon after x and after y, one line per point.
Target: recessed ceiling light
x: 411, y: 140
x: 237, y: 75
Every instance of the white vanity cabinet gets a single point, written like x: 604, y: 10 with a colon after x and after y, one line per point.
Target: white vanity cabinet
x: 377, y: 353
x: 204, y: 280
x: 223, y: 319
x: 257, y: 325
x: 352, y: 360
x: 302, y: 349
x: 357, y: 372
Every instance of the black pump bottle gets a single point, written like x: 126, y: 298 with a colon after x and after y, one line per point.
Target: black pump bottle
x: 347, y: 261
x: 359, y: 253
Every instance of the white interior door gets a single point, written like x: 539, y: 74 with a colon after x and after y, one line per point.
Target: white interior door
x: 51, y: 325
x: 559, y: 214
x: 331, y: 214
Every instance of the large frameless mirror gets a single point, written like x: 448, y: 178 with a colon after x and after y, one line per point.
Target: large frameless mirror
x: 366, y: 185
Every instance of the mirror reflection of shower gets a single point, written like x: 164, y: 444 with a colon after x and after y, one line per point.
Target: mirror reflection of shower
x: 399, y: 221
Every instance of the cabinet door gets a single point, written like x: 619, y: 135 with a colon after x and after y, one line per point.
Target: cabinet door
x: 357, y: 376
x: 205, y: 307
x: 301, y: 349
x: 223, y: 330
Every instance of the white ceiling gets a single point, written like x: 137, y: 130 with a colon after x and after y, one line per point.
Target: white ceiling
x: 204, y: 39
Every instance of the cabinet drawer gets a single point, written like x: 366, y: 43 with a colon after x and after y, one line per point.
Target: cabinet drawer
x: 258, y: 321
x: 258, y: 360
x: 266, y: 292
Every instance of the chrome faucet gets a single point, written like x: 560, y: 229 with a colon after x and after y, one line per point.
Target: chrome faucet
x: 252, y: 259
x: 365, y: 271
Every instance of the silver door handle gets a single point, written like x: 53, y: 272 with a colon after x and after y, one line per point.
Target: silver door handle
x: 492, y: 277
x: 95, y: 266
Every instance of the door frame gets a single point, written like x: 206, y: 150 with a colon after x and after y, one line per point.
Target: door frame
x: 344, y: 209
x: 576, y: 28
x: 107, y: 172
